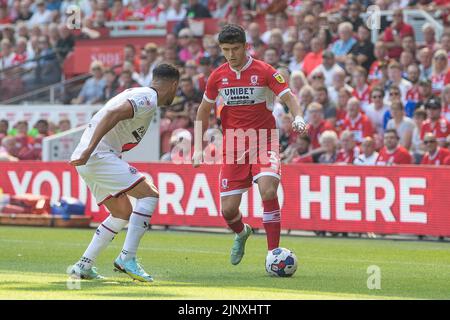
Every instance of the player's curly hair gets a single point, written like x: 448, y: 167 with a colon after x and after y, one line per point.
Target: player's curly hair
x: 232, y: 33
x: 166, y: 71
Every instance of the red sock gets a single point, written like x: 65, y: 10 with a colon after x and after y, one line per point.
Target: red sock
x: 271, y: 221
x: 236, y: 224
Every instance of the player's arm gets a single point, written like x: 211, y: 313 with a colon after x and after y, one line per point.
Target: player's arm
x: 291, y: 101
x: 109, y: 121
x: 279, y: 87
x: 202, y: 119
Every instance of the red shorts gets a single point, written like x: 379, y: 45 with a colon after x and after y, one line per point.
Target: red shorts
x: 237, y: 178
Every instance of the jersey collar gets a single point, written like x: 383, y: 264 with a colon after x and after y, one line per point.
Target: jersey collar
x: 249, y: 62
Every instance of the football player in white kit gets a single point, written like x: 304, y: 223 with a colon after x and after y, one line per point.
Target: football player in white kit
x: 116, y: 128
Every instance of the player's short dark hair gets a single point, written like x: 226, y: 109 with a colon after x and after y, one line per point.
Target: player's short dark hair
x: 232, y: 33
x: 392, y: 131
x: 166, y: 71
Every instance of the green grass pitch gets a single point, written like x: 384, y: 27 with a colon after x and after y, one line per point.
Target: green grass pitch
x: 188, y: 265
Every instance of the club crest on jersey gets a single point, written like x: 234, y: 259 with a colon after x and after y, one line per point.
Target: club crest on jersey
x: 133, y: 170
x: 225, y: 81
x: 254, y: 80
x: 224, y: 183
x: 278, y: 77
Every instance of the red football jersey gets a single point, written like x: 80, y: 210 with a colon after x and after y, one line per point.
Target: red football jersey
x: 361, y: 127
x: 362, y: 95
x: 413, y: 94
x: 314, y: 133
x: 440, y: 128
x: 447, y: 161
x: 438, y: 82
x: 347, y: 157
x: 248, y: 94
x: 399, y: 156
x: 438, y: 158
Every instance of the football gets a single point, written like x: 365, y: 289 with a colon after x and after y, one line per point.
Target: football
x: 281, y: 262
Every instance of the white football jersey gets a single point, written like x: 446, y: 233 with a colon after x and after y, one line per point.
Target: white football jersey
x: 127, y: 133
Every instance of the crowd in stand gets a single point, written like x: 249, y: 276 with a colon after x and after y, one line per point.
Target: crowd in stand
x: 366, y: 103
x: 21, y: 142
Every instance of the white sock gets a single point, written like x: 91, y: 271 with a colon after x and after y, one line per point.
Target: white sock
x: 139, y: 223
x: 102, y: 237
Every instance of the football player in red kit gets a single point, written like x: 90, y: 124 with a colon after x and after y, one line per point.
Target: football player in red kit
x: 247, y: 88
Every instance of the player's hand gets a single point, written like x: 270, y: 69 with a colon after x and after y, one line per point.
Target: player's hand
x: 299, y: 125
x: 197, y: 158
x: 82, y: 160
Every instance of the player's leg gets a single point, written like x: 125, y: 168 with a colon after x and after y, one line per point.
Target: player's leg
x: 235, y: 179
x: 146, y: 196
x: 120, y: 209
x: 230, y: 211
x: 268, y: 186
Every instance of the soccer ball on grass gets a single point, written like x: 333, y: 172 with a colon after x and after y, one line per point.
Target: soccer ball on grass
x: 281, y: 262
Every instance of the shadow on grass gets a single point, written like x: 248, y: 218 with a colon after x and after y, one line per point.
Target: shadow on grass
x: 312, y: 284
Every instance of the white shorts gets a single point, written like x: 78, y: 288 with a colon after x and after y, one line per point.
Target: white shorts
x: 108, y: 176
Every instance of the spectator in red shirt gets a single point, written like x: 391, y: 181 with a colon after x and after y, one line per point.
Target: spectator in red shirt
x: 234, y: 8
x: 361, y: 88
x: 313, y: 58
x: 435, y: 123
x: 119, y: 12
x: 375, y: 72
x: 395, y: 32
x: 317, y: 124
x: 440, y: 75
x: 23, y: 140
x: 435, y: 155
x: 349, y: 149
x: 413, y: 74
x: 344, y: 95
x: 4, y: 18
x: 357, y: 122
x: 392, y: 153
x: 42, y: 127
